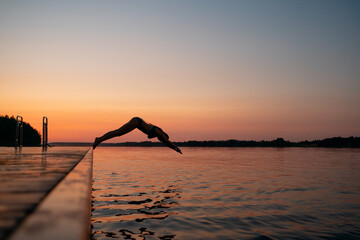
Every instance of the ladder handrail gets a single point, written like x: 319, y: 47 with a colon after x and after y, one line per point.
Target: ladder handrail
x: 19, y: 132
x: 45, y: 132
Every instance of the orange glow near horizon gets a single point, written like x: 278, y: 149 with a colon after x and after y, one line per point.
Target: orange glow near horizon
x: 76, y: 121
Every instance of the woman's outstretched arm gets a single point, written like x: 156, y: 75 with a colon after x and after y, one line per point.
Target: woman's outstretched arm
x: 162, y: 138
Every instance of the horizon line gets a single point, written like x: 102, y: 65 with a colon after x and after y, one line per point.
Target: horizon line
x: 232, y: 139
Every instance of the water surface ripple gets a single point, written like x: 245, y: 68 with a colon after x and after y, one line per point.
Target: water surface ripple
x: 226, y: 193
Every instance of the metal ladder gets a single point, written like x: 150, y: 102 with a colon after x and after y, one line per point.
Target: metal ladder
x: 45, y: 143
x: 19, y: 132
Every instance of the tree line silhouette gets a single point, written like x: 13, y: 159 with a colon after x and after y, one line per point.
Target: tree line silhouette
x: 31, y: 137
x: 335, y: 142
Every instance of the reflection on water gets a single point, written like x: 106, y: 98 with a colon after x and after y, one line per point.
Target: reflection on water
x: 226, y: 193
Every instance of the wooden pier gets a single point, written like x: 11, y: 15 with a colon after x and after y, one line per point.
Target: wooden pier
x: 43, y: 193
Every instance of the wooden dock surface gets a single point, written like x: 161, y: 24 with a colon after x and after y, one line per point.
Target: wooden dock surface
x: 27, y: 176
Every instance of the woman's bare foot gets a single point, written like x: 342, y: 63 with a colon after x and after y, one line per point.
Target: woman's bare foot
x: 96, y: 142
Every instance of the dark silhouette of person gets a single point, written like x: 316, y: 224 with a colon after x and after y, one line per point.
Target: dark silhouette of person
x: 147, y: 128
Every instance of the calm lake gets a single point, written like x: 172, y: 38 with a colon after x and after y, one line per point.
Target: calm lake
x: 226, y: 193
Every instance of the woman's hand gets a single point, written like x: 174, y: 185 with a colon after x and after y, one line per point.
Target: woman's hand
x: 178, y: 150
x: 162, y: 138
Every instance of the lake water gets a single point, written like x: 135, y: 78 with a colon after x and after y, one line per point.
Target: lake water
x: 226, y: 193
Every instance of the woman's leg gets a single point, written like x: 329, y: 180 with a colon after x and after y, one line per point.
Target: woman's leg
x: 127, y: 127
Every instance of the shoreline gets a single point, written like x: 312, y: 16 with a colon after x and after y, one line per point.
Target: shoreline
x: 335, y: 142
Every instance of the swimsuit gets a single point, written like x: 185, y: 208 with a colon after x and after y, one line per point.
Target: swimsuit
x: 152, y: 133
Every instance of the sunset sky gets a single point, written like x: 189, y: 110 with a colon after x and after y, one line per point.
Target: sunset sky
x: 201, y: 70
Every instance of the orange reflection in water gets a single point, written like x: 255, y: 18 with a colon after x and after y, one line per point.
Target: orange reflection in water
x: 225, y: 193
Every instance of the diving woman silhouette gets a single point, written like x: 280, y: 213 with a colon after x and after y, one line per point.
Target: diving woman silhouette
x: 147, y: 128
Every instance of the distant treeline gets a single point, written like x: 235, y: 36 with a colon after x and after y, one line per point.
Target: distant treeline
x: 350, y: 142
x: 31, y: 137
x: 335, y: 142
